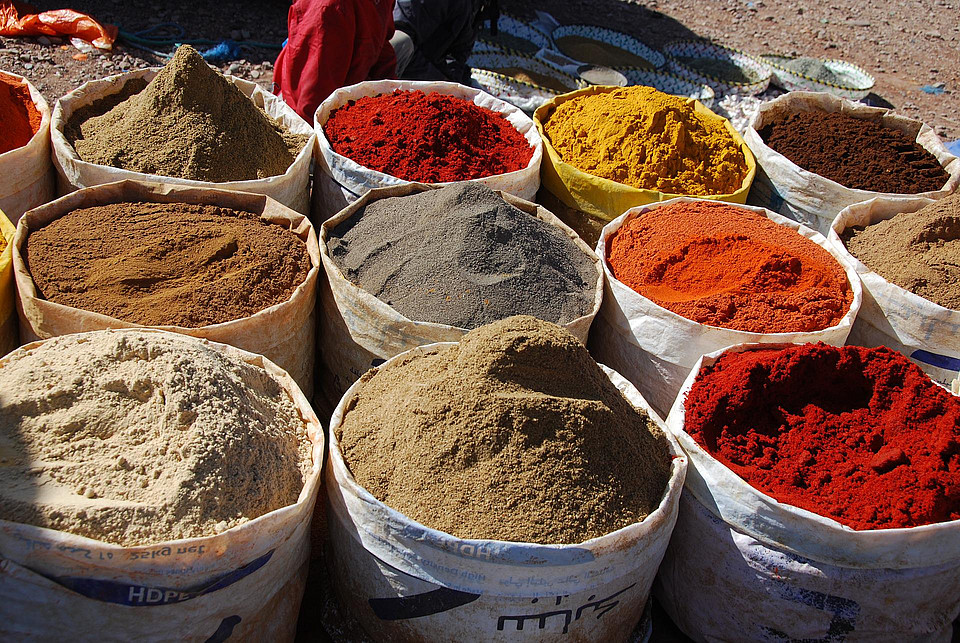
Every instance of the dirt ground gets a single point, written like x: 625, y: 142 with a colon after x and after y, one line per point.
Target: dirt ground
x: 907, y: 45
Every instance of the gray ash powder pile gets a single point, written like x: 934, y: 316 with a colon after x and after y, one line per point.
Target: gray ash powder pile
x: 463, y: 256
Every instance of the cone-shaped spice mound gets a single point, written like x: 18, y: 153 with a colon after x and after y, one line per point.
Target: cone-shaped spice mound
x: 191, y: 123
x: 513, y: 434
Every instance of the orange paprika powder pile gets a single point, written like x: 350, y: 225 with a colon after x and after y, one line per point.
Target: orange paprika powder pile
x: 724, y: 266
x: 19, y: 117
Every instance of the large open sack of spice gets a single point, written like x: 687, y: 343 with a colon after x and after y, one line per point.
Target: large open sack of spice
x: 687, y: 277
x: 608, y: 149
x: 26, y: 176
x: 504, y: 488
x: 392, y: 132
x: 231, y: 267
x: 155, y: 487
x: 183, y: 124
x: 9, y: 335
x: 817, y: 154
x: 822, y: 500
x: 417, y: 264
x: 907, y: 253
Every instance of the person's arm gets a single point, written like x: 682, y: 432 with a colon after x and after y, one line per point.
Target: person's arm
x: 421, y: 19
x: 318, y: 54
x: 460, y: 50
x: 435, y: 26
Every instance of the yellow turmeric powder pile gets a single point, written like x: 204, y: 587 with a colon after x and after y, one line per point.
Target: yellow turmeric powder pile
x: 649, y: 140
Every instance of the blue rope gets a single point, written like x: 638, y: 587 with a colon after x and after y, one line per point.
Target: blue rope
x: 223, y: 51
x: 168, y: 34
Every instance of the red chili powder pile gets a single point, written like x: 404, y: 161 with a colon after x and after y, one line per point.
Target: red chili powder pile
x: 728, y: 267
x: 860, y: 435
x: 18, y: 115
x: 431, y: 138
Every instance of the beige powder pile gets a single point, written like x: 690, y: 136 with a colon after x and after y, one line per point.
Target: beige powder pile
x: 133, y: 438
x: 514, y: 434
x: 918, y: 251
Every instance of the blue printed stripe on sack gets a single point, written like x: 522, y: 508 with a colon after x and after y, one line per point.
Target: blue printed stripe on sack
x: 142, y: 596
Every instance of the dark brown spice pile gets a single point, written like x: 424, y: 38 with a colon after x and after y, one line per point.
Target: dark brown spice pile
x: 856, y: 153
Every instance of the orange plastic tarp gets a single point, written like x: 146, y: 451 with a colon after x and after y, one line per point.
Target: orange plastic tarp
x: 22, y: 19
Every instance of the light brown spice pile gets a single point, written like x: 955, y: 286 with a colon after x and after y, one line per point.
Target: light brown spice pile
x: 514, y: 434
x: 166, y: 264
x: 918, y: 251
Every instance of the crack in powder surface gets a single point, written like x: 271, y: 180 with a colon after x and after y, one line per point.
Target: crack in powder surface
x: 135, y: 438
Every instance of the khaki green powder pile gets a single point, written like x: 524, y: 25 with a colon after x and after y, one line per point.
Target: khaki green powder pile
x: 189, y: 122
x: 513, y: 434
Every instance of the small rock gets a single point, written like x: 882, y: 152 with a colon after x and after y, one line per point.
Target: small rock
x: 255, y: 73
x: 28, y: 66
x: 43, y: 40
x: 888, y: 458
x: 233, y: 68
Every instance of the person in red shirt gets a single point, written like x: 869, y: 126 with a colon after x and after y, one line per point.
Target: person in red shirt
x: 331, y: 44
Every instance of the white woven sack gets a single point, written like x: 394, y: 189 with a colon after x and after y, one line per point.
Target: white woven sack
x: 655, y: 348
x: 245, y: 583
x: 358, y: 331
x: 784, y: 187
x: 341, y: 181
x: 292, y: 188
x: 744, y: 566
x: 26, y: 176
x: 405, y: 581
x: 284, y: 332
x: 927, y: 333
